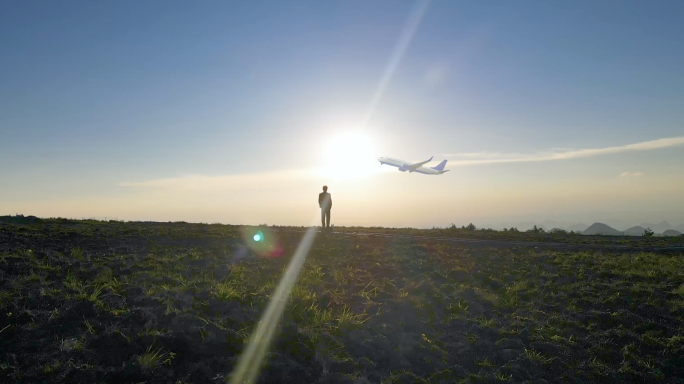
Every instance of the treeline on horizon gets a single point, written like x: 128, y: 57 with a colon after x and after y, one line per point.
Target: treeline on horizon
x: 470, y: 228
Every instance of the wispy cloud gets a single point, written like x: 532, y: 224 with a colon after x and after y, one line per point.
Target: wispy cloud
x: 560, y: 153
x: 631, y: 174
x: 224, y: 183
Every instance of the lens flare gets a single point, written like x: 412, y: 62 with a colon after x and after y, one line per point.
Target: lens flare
x: 262, y: 241
x: 252, y: 358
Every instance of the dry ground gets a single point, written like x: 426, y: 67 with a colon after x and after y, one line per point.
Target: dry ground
x: 86, y: 302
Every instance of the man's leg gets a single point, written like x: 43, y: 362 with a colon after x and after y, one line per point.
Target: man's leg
x: 327, y: 218
x: 322, y: 217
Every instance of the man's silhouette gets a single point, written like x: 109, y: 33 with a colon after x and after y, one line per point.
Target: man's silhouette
x: 325, y: 202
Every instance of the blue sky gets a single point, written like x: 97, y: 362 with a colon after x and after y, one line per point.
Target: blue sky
x: 97, y: 96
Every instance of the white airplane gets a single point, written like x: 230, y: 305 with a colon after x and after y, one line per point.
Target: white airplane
x: 417, y: 167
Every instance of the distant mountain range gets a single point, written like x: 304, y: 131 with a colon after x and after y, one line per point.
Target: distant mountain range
x: 663, y: 228
x: 577, y: 227
x: 603, y: 229
x: 635, y: 231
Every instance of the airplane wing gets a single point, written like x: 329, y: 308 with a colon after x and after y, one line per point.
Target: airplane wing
x: 415, y: 166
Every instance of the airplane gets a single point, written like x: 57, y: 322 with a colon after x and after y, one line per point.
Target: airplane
x: 417, y: 167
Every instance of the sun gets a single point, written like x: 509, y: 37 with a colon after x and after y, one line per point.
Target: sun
x: 349, y: 155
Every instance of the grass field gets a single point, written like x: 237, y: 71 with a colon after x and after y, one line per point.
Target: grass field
x: 87, y: 302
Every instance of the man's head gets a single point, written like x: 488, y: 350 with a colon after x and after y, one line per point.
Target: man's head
x: 325, y: 188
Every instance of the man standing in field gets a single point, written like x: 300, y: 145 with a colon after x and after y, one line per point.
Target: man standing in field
x: 325, y: 202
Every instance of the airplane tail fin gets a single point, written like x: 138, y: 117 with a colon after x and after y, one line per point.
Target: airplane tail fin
x: 440, y: 166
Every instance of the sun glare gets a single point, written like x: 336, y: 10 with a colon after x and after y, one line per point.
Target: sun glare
x: 349, y: 155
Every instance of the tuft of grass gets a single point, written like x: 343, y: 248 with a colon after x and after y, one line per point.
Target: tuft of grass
x: 539, y: 357
x: 71, y: 345
x: 50, y: 368
x: 54, y: 313
x: 320, y: 317
x: 347, y: 316
x: 151, y: 359
x: 471, y: 337
x: 150, y: 331
x: 33, y: 277
x: 680, y: 291
x: 227, y: 291
x: 484, y: 363
x: 74, y: 283
x: 485, y: 322
x: 106, y: 278
x: 457, y: 307
x: 77, y: 253
x: 50, y: 292
x: 93, y: 296
x: 89, y: 327
x: 44, y: 265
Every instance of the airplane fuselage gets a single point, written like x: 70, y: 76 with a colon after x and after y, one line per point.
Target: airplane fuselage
x: 404, y: 165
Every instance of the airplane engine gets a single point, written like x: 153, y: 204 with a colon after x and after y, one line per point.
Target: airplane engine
x: 404, y: 168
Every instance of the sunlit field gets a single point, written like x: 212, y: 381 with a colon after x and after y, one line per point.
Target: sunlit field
x: 86, y: 302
